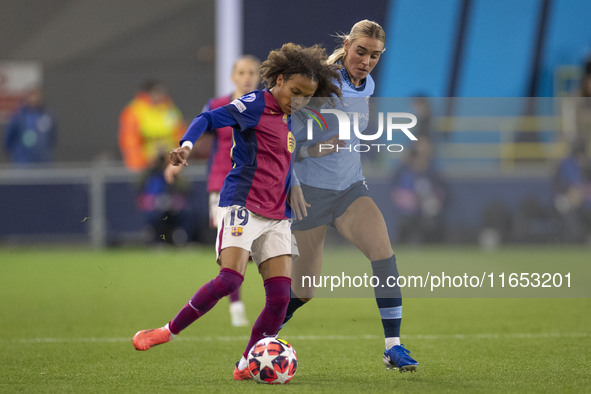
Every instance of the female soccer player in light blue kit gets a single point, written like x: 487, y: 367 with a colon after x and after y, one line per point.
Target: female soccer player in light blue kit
x: 335, y: 193
x: 256, y: 217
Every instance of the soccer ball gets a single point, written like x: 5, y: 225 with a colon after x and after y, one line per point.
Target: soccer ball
x: 272, y: 361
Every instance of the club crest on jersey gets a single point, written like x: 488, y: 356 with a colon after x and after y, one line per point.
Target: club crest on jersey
x: 291, y: 142
x: 285, y: 118
x: 237, y: 231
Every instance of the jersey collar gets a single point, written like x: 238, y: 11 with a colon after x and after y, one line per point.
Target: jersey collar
x: 272, y: 102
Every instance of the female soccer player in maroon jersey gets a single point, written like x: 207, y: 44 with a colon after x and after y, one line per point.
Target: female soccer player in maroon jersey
x: 254, y: 195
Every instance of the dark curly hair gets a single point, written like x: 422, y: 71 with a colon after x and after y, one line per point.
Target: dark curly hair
x: 294, y: 59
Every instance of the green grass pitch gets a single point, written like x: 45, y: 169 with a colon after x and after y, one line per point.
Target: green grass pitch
x: 67, y: 317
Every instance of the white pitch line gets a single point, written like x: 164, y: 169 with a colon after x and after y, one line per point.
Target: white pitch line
x: 241, y: 338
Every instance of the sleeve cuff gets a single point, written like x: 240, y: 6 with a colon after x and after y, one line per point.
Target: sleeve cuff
x: 188, y: 144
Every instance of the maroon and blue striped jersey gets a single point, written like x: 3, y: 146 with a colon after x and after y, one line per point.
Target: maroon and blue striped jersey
x: 261, y: 153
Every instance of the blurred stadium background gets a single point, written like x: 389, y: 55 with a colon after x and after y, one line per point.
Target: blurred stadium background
x: 90, y: 56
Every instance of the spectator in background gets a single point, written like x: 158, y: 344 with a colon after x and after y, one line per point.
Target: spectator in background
x: 149, y: 124
x: 421, y: 108
x: 577, y: 110
x: 31, y: 132
x: 163, y: 205
x: 418, y: 193
x: 572, y: 185
x: 583, y: 113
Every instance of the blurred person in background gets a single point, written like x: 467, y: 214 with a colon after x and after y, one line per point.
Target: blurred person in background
x: 572, y: 199
x: 583, y: 112
x: 149, y: 124
x: 31, y: 132
x: 246, y: 77
x: 421, y: 108
x: 163, y: 205
x: 418, y: 193
x: 576, y: 110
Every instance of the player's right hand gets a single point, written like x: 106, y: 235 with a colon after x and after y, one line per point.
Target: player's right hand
x: 179, y: 156
x: 298, y: 202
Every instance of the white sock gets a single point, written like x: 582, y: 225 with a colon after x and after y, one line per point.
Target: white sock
x: 171, y: 334
x: 237, y: 306
x: 243, y: 363
x: 392, y: 341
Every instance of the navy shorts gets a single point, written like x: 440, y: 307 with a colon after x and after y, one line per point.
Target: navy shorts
x: 327, y: 205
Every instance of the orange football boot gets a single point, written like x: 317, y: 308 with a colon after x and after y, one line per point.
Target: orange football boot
x: 147, y: 339
x: 241, y: 374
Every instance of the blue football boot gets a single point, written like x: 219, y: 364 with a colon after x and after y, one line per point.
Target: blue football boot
x: 398, y: 358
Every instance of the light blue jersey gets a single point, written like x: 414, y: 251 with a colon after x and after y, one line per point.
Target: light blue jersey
x: 338, y: 170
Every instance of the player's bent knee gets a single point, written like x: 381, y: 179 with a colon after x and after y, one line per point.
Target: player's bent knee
x: 233, y: 286
x: 228, y: 281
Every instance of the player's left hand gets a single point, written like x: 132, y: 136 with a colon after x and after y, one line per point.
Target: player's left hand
x: 298, y: 202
